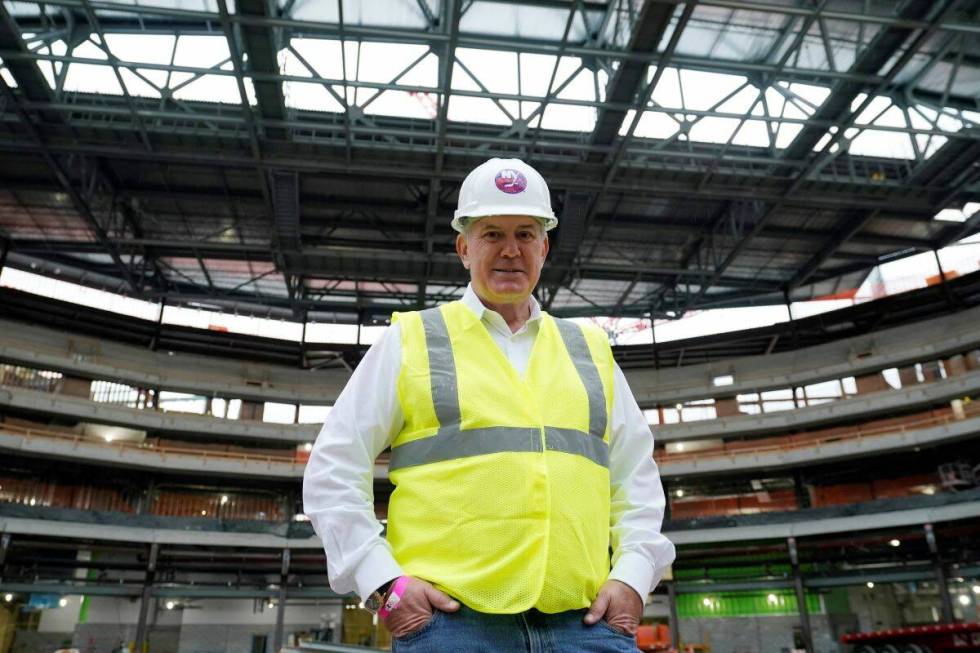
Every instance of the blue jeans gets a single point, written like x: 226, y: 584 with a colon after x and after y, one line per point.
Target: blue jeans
x: 469, y: 631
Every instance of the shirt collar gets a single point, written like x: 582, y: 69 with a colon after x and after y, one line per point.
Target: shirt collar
x: 472, y: 302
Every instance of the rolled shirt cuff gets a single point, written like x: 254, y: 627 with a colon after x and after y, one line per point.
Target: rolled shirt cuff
x: 637, y: 572
x: 376, y: 569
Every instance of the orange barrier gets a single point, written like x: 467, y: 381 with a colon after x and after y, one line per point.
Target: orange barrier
x: 165, y: 503
x: 654, y: 637
x: 235, y: 506
x: 695, y: 506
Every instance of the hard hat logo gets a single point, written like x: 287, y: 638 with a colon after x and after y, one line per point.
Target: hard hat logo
x: 511, y: 181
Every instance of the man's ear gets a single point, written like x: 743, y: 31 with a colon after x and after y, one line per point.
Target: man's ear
x: 462, y: 250
x: 547, y: 246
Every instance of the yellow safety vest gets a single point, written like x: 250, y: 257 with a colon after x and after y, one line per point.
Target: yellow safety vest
x: 501, y: 481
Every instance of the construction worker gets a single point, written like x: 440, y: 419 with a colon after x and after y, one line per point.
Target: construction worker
x: 518, y: 454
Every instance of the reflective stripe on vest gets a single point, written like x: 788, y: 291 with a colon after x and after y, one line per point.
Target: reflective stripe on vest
x: 451, y: 442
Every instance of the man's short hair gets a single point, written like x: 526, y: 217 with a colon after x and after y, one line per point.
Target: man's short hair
x: 472, y: 221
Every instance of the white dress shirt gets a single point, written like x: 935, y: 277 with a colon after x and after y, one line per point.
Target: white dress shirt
x: 338, y: 485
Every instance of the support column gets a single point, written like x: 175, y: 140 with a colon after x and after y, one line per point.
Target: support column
x: 144, y: 505
x: 146, y: 596
x: 4, y: 547
x: 302, y: 341
x: 727, y: 406
x: 672, y: 622
x: 940, y: 572
x: 943, y: 279
x: 800, y: 595
x: 792, y: 321
x: 939, y: 264
x: 802, y: 495
x: 155, y: 340
x: 281, y: 607
x: 656, y: 352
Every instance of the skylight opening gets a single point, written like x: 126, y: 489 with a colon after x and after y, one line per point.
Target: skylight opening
x: 892, y: 143
x: 143, y: 48
x: 958, y: 215
x: 495, y: 71
x: 483, y: 110
x: 219, y: 321
x: 720, y: 103
x: 653, y: 124
x: 205, y: 53
x: 536, y: 69
x: 45, y: 286
x: 89, y: 78
x: 7, y: 77
x: 523, y: 21
x: 375, y: 63
x: 402, y: 14
x: 566, y: 117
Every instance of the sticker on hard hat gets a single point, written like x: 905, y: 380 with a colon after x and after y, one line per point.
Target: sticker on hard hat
x: 511, y: 181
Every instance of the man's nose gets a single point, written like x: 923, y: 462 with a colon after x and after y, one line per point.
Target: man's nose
x: 511, y: 248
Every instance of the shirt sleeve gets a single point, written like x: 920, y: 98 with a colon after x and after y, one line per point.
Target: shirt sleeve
x: 338, y: 484
x: 641, y: 553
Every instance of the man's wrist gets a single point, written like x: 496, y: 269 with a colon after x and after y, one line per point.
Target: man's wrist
x: 632, y: 589
x: 636, y: 571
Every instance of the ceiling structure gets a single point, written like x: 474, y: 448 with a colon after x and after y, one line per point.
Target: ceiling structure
x: 302, y: 158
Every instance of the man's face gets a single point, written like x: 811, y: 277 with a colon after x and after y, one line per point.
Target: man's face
x: 504, y: 254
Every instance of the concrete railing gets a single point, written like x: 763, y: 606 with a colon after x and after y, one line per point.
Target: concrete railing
x: 67, y: 445
x: 156, y: 421
x: 865, y: 406
x: 44, y: 442
x: 856, y: 407
x: 801, y: 450
x: 919, y: 342
x: 89, y: 357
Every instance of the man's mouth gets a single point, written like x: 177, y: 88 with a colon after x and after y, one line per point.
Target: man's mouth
x: 508, y: 271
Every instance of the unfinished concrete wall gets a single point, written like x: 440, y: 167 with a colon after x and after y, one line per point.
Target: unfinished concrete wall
x: 760, y: 634
x: 726, y: 407
x: 867, y: 383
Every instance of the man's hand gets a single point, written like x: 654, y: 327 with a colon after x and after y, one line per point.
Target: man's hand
x: 619, y: 604
x: 415, y: 608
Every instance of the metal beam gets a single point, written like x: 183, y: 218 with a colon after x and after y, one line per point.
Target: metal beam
x: 800, y: 595
x: 630, y: 76
x: 828, y: 150
x: 146, y: 595
x: 277, y: 636
x: 261, y: 44
x: 969, y: 227
x: 452, y: 12
x: 869, y: 61
x: 625, y: 85
x: 80, y: 204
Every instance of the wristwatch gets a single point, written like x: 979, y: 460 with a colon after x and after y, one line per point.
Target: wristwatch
x: 374, y: 602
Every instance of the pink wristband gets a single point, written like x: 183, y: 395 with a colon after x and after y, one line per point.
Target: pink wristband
x: 394, y: 596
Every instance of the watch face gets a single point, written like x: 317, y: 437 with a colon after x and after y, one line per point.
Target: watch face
x: 373, y: 603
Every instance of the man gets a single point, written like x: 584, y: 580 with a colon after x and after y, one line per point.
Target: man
x: 518, y: 453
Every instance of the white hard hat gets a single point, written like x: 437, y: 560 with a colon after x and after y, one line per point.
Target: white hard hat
x: 504, y: 187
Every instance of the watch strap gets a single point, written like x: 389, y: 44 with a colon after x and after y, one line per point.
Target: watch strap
x: 384, y: 589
